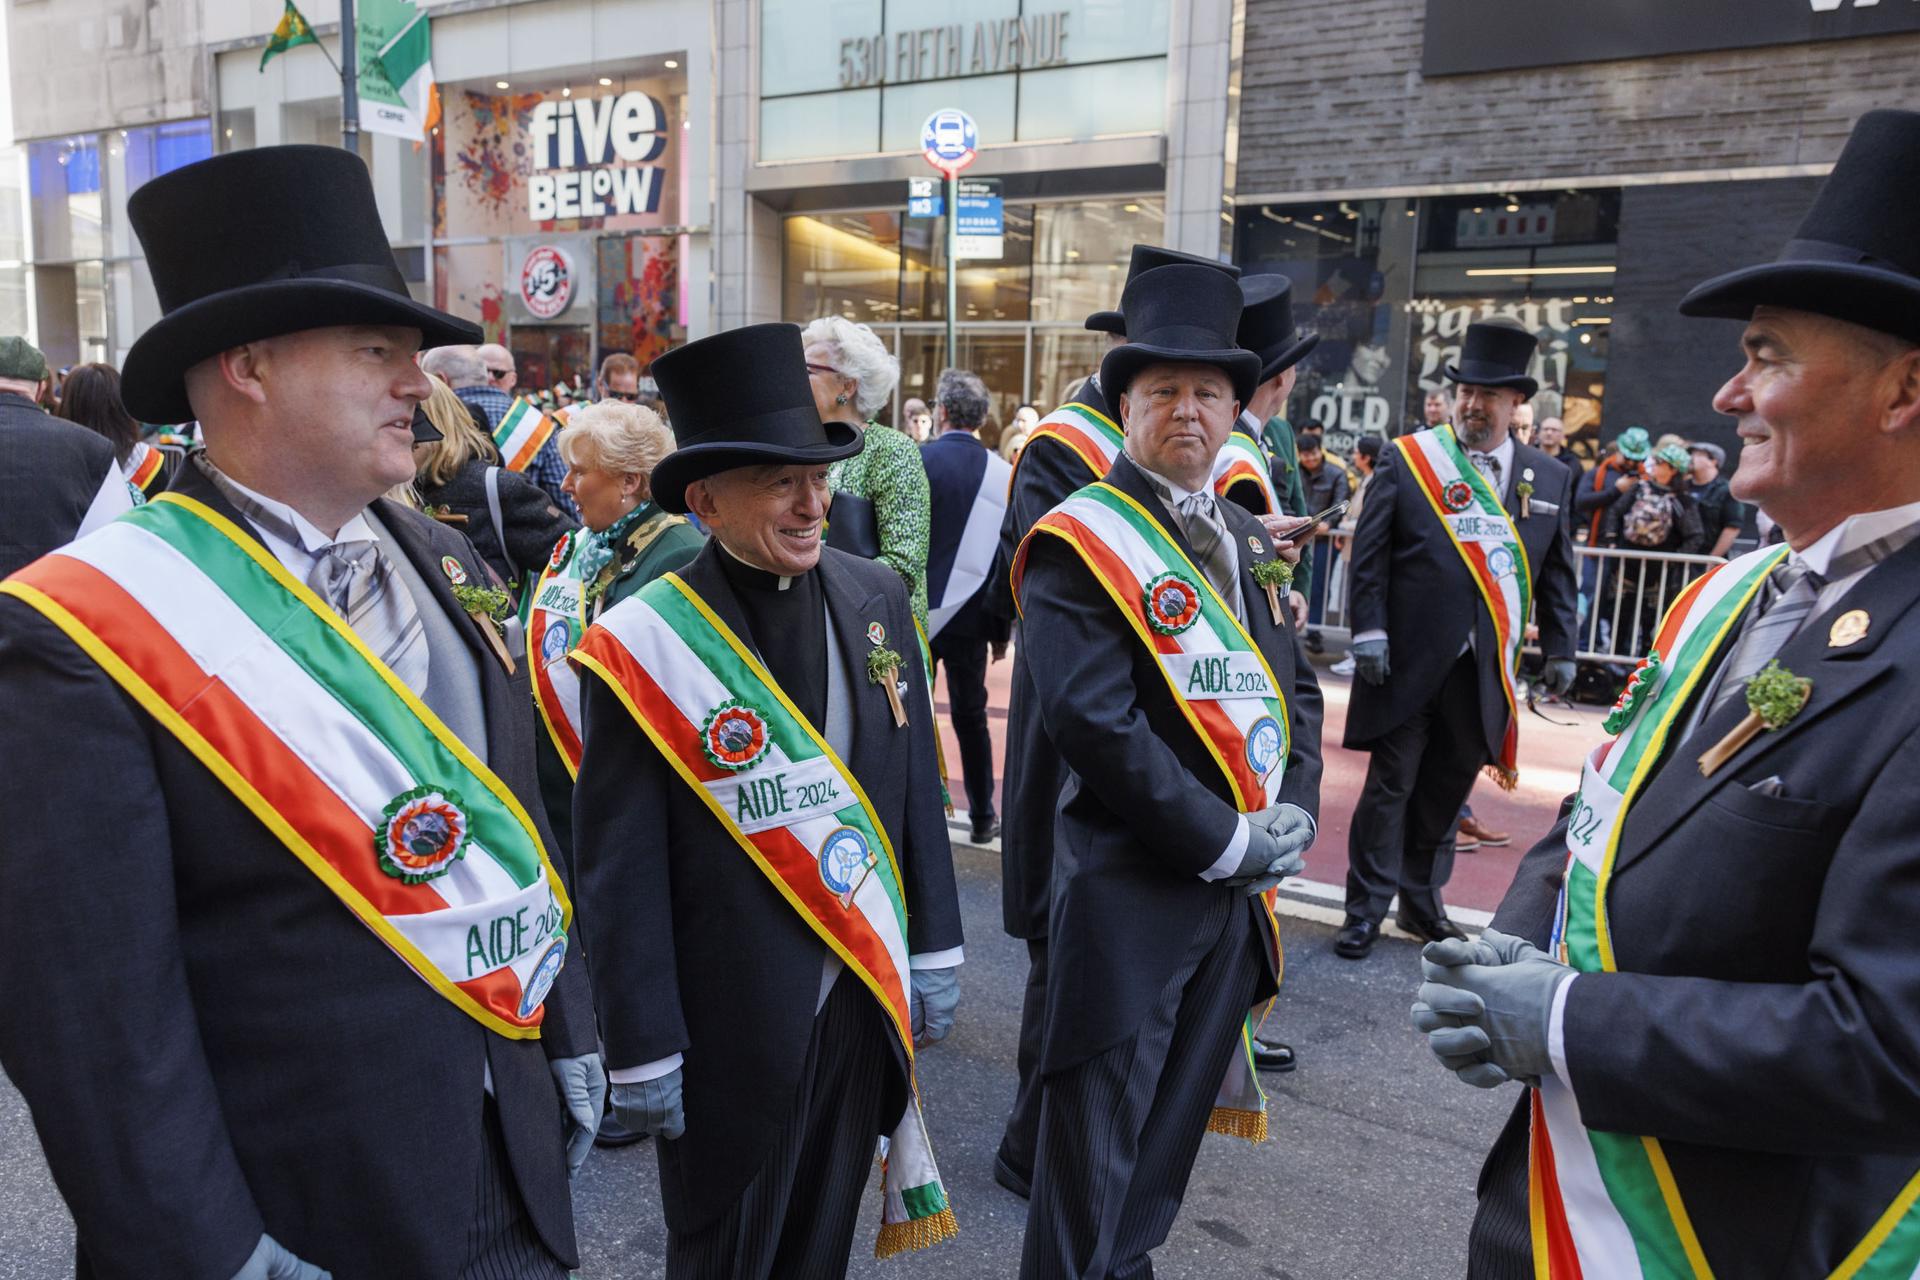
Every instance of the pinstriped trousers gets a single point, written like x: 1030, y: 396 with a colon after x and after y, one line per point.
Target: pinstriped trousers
x: 502, y: 1244
x: 795, y: 1219
x: 1500, y: 1245
x: 1119, y: 1132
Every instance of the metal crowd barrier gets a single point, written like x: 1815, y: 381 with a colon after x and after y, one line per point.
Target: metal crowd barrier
x: 1624, y: 593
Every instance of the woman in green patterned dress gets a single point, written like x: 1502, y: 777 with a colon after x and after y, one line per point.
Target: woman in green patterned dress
x: 853, y: 376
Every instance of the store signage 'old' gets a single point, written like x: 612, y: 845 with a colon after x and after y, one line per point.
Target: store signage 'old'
x: 591, y: 157
x: 1497, y: 35
x: 956, y: 49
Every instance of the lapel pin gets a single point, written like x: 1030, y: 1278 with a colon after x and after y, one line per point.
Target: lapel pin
x: 455, y: 574
x: 1255, y: 545
x: 1848, y: 629
x: 1774, y: 696
x: 876, y: 634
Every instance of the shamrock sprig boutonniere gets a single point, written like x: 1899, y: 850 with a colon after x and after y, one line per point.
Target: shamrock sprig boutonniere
x: 1774, y: 696
x: 883, y: 669
x: 1525, y: 490
x: 490, y: 607
x: 1274, y: 576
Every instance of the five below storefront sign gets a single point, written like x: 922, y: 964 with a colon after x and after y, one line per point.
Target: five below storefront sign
x: 582, y: 150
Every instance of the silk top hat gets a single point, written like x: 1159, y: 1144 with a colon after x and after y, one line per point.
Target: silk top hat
x: 1266, y: 324
x: 256, y: 244
x: 1856, y: 255
x: 1182, y: 314
x: 1145, y: 258
x: 1496, y: 353
x: 741, y: 399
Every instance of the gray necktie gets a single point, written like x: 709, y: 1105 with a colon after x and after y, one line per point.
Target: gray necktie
x: 1489, y: 466
x: 1793, y: 588
x: 1211, y: 550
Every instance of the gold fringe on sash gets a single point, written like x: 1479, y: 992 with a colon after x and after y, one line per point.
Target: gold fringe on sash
x: 1507, y: 779
x: 1250, y: 1125
x: 918, y: 1233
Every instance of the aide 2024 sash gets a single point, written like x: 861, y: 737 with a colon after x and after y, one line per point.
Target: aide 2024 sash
x: 783, y: 794
x: 1477, y: 524
x: 1219, y: 679
x: 280, y: 700
x: 1093, y: 437
x: 1240, y: 462
x: 556, y: 621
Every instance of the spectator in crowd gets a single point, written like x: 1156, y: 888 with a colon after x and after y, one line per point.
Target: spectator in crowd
x: 1614, y: 476
x: 1551, y: 439
x: 463, y: 369
x: 91, y: 398
x: 881, y: 509
x: 511, y: 521
x: 1655, y: 514
x: 502, y: 374
x: 1011, y: 443
x: 1366, y: 456
x: 916, y: 421
x: 57, y: 483
x: 1523, y: 424
x: 1025, y: 418
x: 1325, y: 481
x: 619, y: 379
x: 1672, y: 440
x: 1722, y: 515
x: 1434, y: 410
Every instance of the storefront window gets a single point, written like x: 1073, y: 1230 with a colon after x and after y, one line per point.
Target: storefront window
x: 64, y: 186
x: 1081, y: 250
x: 989, y: 289
x: 845, y: 264
x: 236, y: 130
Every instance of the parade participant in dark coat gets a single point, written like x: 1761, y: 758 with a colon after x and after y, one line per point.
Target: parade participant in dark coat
x: 1072, y: 447
x: 90, y: 397
x: 1465, y: 535
x: 758, y: 828
x: 55, y: 482
x: 1704, y: 968
x: 510, y: 520
x: 303, y: 1007
x: 1170, y: 682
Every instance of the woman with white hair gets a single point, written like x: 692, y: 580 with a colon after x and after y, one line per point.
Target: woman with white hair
x: 611, y: 449
x: 881, y: 506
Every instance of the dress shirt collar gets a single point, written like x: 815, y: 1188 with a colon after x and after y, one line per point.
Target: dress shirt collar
x: 1170, y: 493
x: 1856, y: 531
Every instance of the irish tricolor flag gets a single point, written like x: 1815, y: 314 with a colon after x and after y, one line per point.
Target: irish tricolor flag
x: 397, y: 92
x: 521, y: 434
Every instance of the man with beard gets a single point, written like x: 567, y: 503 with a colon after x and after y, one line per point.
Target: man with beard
x: 1464, y: 533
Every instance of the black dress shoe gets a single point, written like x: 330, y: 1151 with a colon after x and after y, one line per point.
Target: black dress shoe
x: 1355, y: 939
x: 983, y: 832
x: 1010, y: 1178
x: 1431, y: 930
x: 1273, y: 1057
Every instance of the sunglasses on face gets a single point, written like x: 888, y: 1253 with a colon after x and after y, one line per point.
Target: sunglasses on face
x: 499, y: 373
x: 629, y: 396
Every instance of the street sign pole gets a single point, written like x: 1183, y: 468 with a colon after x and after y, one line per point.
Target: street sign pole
x: 953, y: 264
x: 349, y: 80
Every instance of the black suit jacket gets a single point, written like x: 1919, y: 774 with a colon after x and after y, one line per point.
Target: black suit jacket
x: 955, y: 462
x: 1144, y: 809
x: 211, y: 1043
x: 50, y: 470
x: 1765, y: 1024
x: 694, y: 950
x: 1409, y: 581
x: 1047, y: 474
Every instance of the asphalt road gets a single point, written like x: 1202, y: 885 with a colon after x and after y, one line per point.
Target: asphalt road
x: 1369, y: 1172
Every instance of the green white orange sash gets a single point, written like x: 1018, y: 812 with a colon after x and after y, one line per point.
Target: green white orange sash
x: 1240, y: 461
x: 1094, y: 438
x: 278, y: 698
x: 788, y: 801
x: 1481, y: 531
x: 556, y: 621
x: 1606, y: 1204
x: 1219, y: 679
x: 522, y: 432
x: 142, y: 469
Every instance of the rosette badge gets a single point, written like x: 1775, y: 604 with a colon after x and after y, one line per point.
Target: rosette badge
x: 423, y: 833
x: 734, y: 736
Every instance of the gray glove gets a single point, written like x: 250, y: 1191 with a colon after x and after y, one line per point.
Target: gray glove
x: 271, y: 1261
x: 1513, y: 986
x: 1291, y: 829
x: 1370, y: 661
x: 651, y: 1106
x: 582, y: 1083
x: 936, y: 994
x: 1559, y: 674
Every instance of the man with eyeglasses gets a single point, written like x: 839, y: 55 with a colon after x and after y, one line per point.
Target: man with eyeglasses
x: 471, y: 372
x: 619, y: 378
x: 502, y: 376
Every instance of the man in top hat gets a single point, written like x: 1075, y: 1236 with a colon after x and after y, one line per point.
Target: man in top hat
x: 1071, y: 448
x: 761, y: 843
x: 291, y: 977
x: 1725, y: 1057
x: 1465, y: 536
x: 1171, y: 684
x: 56, y: 483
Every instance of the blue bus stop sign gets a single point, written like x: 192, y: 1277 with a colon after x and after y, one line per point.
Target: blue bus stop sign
x: 949, y: 140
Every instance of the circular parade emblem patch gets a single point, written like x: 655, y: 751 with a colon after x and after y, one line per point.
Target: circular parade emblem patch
x: 422, y: 834
x: 841, y: 858
x: 554, y: 643
x: 1173, y: 604
x: 542, y: 978
x: 1500, y: 562
x: 1458, y: 496
x: 734, y: 736
x: 1263, y: 746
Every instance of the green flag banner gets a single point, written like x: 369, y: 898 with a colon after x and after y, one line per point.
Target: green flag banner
x: 293, y: 29
x: 396, y: 69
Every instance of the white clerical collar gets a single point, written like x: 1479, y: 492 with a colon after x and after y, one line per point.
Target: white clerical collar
x: 1856, y: 531
x: 312, y: 541
x: 784, y: 581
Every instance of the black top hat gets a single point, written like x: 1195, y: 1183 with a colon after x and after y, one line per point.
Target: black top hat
x: 741, y: 399
x: 1266, y: 324
x: 1182, y: 314
x: 1108, y: 322
x: 1496, y: 353
x: 1856, y: 256
x: 1145, y: 258
x: 255, y: 244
